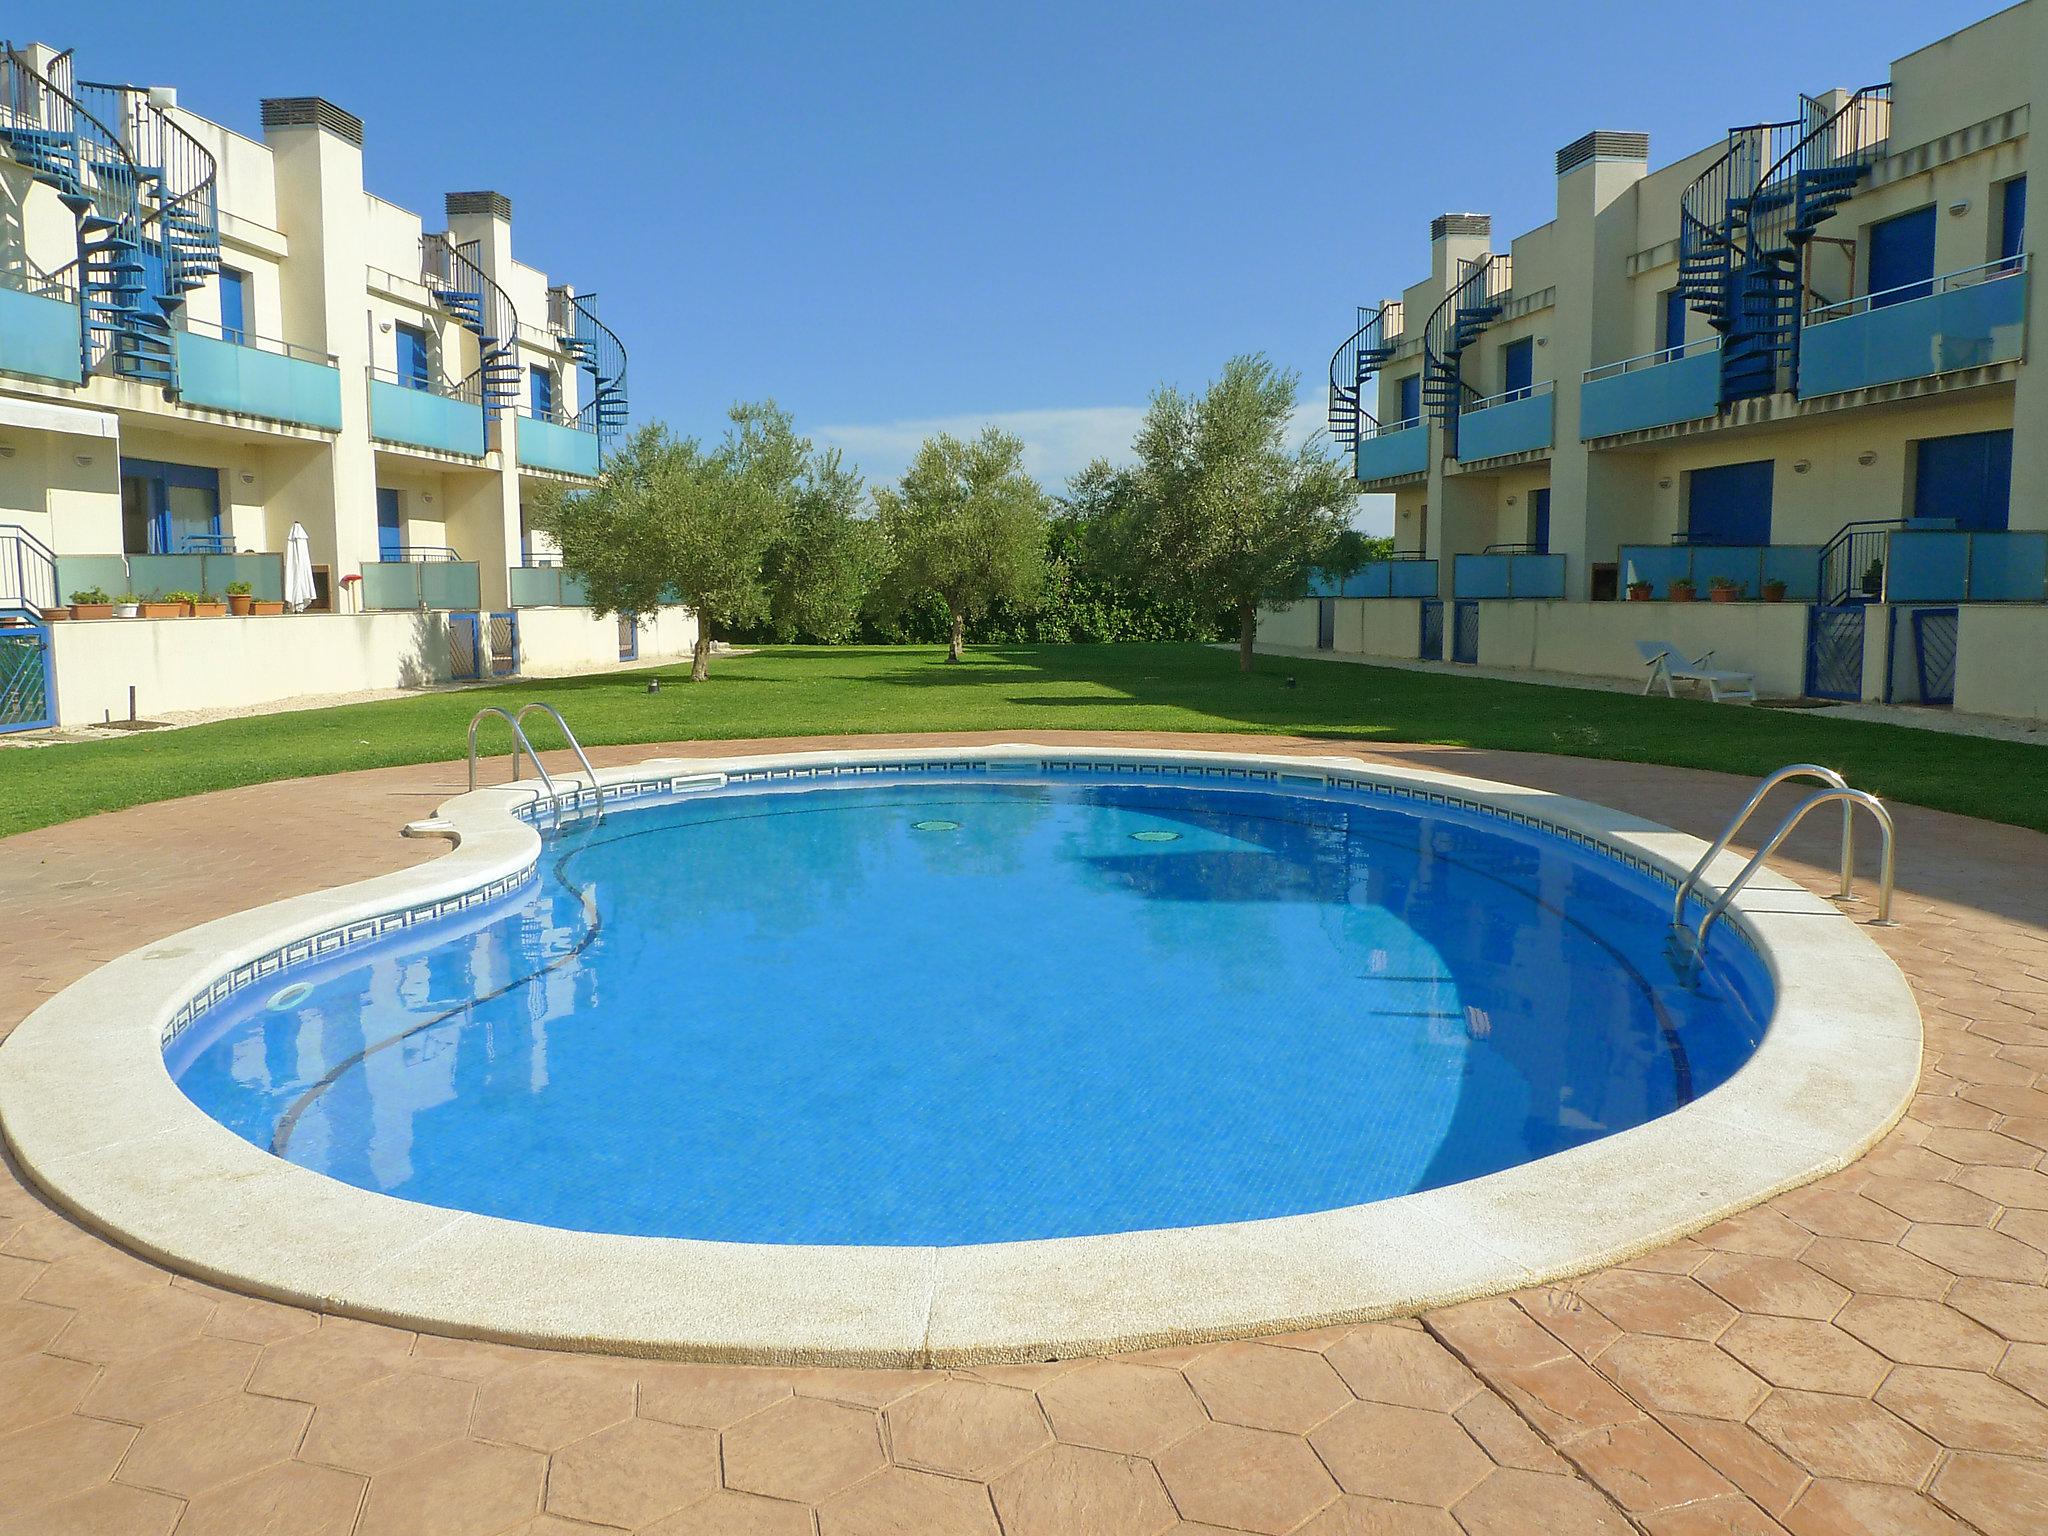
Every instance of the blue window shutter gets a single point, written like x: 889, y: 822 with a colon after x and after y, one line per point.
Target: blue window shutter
x: 2012, y: 229
x: 1518, y: 365
x: 1411, y: 397
x: 541, y: 385
x: 1674, y: 320
x: 234, y: 305
x: 413, y: 369
x: 1539, y: 518
x: 1902, y: 258
x: 1966, y: 479
x: 389, y: 537
x: 1729, y: 504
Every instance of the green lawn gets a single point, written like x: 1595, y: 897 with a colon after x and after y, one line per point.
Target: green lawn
x: 795, y: 692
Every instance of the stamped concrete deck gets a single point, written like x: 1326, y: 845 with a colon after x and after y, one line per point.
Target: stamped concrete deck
x: 1865, y: 1355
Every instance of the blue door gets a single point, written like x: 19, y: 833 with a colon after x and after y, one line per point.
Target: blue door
x: 1539, y: 520
x: 1729, y: 504
x: 1902, y: 258
x: 2012, y: 226
x: 1411, y: 399
x: 1674, y: 321
x: 1967, y: 478
x: 1518, y: 366
x: 412, y: 357
x: 234, y: 305
x: 541, y: 387
x: 169, y: 509
x: 390, y: 538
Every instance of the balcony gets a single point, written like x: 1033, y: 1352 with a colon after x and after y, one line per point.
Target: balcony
x: 1749, y: 566
x: 433, y: 579
x: 1391, y: 451
x: 1508, y: 573
x: 257, y: 376
x: 151, y: 576
x: 556, y: 443
x: 1658, y: 389
x: 1967, y: 319
x: 1518, y: 421
x: 417, y: 414
x: 39, y: 334
x: 547, y: 586
x: 1403, y: 576
x: 1964, y: 566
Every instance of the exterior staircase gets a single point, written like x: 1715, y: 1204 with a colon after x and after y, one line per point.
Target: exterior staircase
x: 1352, y: 366
x: 144, y: 194
x: 451, y: 272
x: 1746, y: 221
x: 1477, y: 297
x: 601, y: 356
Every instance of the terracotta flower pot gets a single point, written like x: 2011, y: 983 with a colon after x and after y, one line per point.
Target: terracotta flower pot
x: 1682, y: 594
x: 92, y: 610
x: 52, y: 615
x: 162, y: 611
x: 209, y: 610
x: 239, y: 602
x: 1641, y: 594
x: 260, y: 608
x: 1723, y: 594
x: 1774, y: 592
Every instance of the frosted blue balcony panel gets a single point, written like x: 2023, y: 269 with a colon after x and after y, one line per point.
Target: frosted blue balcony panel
x: 1516, y: 422
x: 38, y: 336
x: 1658, y: 389
x: 1962, y: 566
x: 1971, y: 319
x: 1394, y: 451
x: 401, y: 412
x: 1750, y: 566
x: 1380, y: 578
x: 1508, y: 575
x: 402, y: 584
x: 545, y: 444
x: 259, y: 377
x: 547, y: 586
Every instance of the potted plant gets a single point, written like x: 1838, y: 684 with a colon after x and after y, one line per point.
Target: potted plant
x: 1774, y: 590
x: 1640, y: 591
x: 52, y: 615
x: 1723, y: 589
x: 1682, y: 590
x: 207, y: 605
x: 241, y: 595
x: 166, y: 605
x: 126, y: 605
x: 262, y: 607
x: 1873, y: 579
x: 91, y: 603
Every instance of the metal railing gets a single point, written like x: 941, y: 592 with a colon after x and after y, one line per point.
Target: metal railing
x: 28, y: 571
x: 1353, y: 364
x: 1651, y: 359
x: 467, y: 390
x: 1510, y: 396
x: 242, y: 336
x: 1382, y: 428
x: 187, y: 213
x: 405, y: 553
x: 520, y: 741
x: 1764, y: 786
x: 1967, y: 277
x: 1850, y: 799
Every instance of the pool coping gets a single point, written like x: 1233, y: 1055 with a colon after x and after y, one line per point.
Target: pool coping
x: 91, y: 1113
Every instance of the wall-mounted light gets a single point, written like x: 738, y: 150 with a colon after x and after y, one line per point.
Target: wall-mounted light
x: 1664, y: 484
x: 1511, y: 501
x: 1801, y: 466
x: 1866, y: 458
x: 83, y: 461
x: 1959, y: 207
x: 6, y: 450
x: 247, y: 478
x: 427, y: 496
x: 384, y: 327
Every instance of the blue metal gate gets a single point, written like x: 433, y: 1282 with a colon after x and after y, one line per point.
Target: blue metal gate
x: 1465, y: 631
x: 1934, y: 653
x: 1326, y: 623
x: 629, y: 638
x: 1834, y: 651
x: 465, y: 647
x: 504, y: 638
x: 28, y: 687
x: 1431, y: 645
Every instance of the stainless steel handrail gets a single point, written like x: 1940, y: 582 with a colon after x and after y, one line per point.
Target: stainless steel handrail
x: 518, y: 741
x: 1850, y: 798
x: 1764, y: 786
x: 596, y: 789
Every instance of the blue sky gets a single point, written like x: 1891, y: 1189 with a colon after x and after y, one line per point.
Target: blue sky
x: 892, y: 215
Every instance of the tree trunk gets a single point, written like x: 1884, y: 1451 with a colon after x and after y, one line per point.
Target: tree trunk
x: 700, y: 654
x: 1247, y: 630
x: 958, y: 642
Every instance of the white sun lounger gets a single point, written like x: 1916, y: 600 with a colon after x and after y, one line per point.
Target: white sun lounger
x: 1669, y: 666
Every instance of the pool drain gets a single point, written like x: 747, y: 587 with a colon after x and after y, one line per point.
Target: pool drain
x: 289, y: 997
x: 936, y: 824
x: 1155, y: 835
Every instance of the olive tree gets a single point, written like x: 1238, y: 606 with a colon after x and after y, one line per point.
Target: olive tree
x: 966, y: 524
x: 1219, y: 508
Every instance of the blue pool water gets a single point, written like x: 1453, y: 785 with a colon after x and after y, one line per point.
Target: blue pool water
x: 962, y: 1009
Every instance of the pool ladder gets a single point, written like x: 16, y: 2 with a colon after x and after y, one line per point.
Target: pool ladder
x: 520, y: 742
x: 1835, y: 789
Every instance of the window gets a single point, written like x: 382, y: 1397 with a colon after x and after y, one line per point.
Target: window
x: 541, y: 385
x: 234, y: 305
x: 2012, y: 220
x: 1411, y: 400
x: 413, y: 368
x: 169, y: 509
x: 1518, y: 367
x: 390, y: 536
x: 1902, y: 258
x: 1539, y: 520
x: 1966, y: 479
x: 1729, y: 504
x: 1672, y: 335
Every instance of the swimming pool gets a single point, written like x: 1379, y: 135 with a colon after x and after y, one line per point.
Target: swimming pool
x: 970, y: 1007
x: 942, y: 1056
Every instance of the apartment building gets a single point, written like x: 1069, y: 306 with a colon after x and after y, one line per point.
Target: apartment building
x: 208, y: 339
x: 1785, y: 377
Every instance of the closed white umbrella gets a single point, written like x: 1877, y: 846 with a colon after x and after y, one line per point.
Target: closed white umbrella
x: 298, y: 570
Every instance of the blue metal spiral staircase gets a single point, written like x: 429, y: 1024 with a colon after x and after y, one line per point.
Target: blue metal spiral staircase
x: 452, y: 273
x: 144, y: 194
x: 1746, y: 221
x: 1352, y: 366
x: 599, y: 353
x: 1476, y: 298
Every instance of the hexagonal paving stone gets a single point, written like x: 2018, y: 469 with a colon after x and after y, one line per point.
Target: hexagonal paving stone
x: 1248, y: 1479
x: 631, y: 1473
x: 290, y: 1496
x: 1799, y: 1352
x: 1564, y: 1397
x: 58, y: 1458
x: 1967, y: 1411
x: 1931, y: 1200
x: 2015, y: 1312
x: 1412, y: 1454
x: 1403, y: 1366
x: 1516, y: 1503
x: 141, y: 1323
x: 1637, y: 1301
x: 965, y: 1428
x: 465, y: 1488
x: 108, y: 1510
x: 709, y: 1396
x: 27, y: 1326
x: 1998, y: 1495
x: 1845, y: 1437
x: 1113, y: 1405
x: 1353, y: 1516
x: 1833, y: 1507
x: 338, y: 1356
x: 171, y: 1380
x: 1782, y: 1287
x: 214, y: 1443
x: 546, y: 1405
x: 38, y: 1387
x: 1916, y: 1332
x: 726, y: 1513
x: 1646, y: 1468
x: 389, y: 1421
x: 805, y: 1449
x: 897, y: 1500
x: 1264, y: 1387
x: 1976, y: 1251
x: 2026, y: 1367
x: 1682, y: 1376
x: 1067, y: 1489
